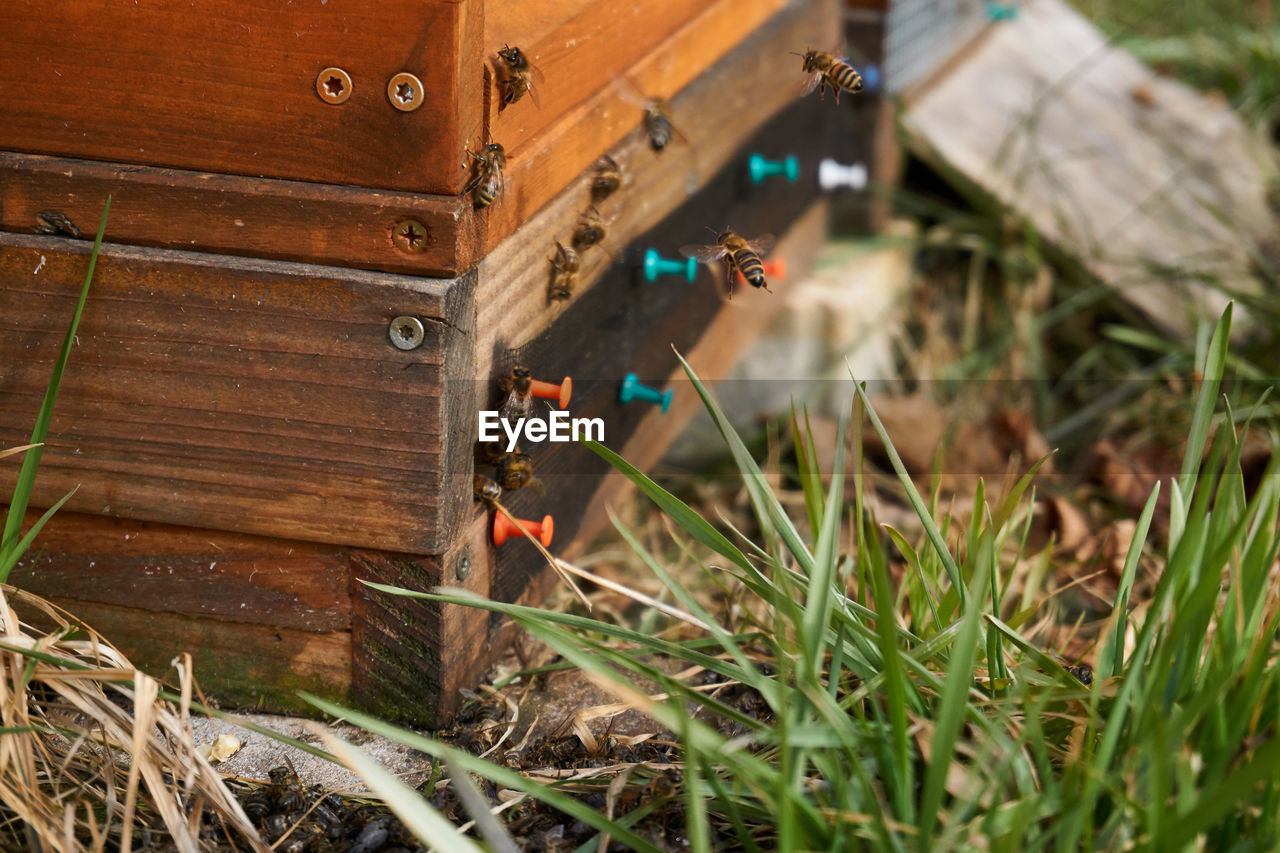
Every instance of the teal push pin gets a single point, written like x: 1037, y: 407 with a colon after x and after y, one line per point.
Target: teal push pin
x: 1001, y: 11
x: 656, y: 265
x: 633, y: 390
x: 759, y: 168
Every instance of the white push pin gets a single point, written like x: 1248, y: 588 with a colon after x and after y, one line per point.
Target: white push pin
x: 833, y: 175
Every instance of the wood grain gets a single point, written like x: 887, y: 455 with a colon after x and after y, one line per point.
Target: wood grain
x: 181, y: 570
x: 237, y: 664
x: 140, y: 83
x: 258, y: 397
x: 717, y: 114
x: 257, y: 217
x: 1155, y: 189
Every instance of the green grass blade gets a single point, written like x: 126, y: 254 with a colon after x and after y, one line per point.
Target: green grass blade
x: 1206, y: 401
x: 696, y: 526
x: 31, y: 462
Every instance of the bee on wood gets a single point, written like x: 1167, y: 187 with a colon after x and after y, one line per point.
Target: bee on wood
x: 606, y: 180
x: 737, y: 253
x: 591, y: 230
x: 53, y: 222
x: 564, y: 273
x: 515, y: 471
x: 486, y: 184
x: 485, y: 489
x: 519, y: 400
x: 829, y: 69
x: 516, y: 77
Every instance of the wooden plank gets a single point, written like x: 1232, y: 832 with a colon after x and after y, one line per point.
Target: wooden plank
x: 588, y: 50
x: 723, y: 106
x: 139, y: 83
x: 1158, y: 191
x: 239, y: 665
x: 258, y: 397
x: 200, y: 211
x: 181, y: 570
x: 720, y: 113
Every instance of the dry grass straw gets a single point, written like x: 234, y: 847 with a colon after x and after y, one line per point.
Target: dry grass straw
x: 91, y: 755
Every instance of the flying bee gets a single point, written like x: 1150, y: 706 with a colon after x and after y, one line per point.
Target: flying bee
x: 519, y: 400
x: 486, y: 184
x: 485, y: 489
x: 828, y: 69
x: 516, y: 76
x: 591, y: 230
x: 606, y: 180
x: 737, y: 253
x: 564, y: 273
x: 657, y: 124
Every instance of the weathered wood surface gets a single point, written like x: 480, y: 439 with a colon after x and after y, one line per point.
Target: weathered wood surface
x: 1159, y: 191
x: 718, y: 114
x: 232, y: 214
x: 182, y: 570
x: 230, y: 87
x: 258, y: 397
x: 599, y: 59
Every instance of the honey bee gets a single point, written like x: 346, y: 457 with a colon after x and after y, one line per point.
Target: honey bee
x: 606, y: 180
x: 486, y: 184
x: 564, y: 273
x: 515, y: 471
x: 657, y: 124
x: 591, y: 230
x: 519, y: 399
x: 485, y: 489
x: 828, y: 69
x: 53, y: 222
x: 516, y: 77
x: 737, y: 253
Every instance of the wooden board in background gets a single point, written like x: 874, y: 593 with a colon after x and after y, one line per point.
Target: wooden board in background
x: 1159, y: 191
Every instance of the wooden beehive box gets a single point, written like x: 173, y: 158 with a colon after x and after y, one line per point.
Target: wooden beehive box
x: 247, y: 441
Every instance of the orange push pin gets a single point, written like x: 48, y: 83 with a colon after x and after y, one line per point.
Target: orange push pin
x: 550, y: 391
x: 775, y: 268
x: 504, y: 528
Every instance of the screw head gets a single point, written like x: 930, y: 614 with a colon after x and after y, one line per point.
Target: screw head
x: 406, y: 332
x: 405, y: 92
x: 409, y: 235
x: 333, y: 85
x: 462, y: 568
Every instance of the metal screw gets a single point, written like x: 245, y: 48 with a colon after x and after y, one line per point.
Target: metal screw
x: 405, y: 92
x: 333, y: 85
x: 406, y: 332
x: 409, y: 235
x: 462, y: 568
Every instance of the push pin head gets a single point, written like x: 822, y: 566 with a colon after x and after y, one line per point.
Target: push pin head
x: 774, y: 268
x: 550, y: 391
x: 504, y: 529
x: 758, y: 168
x: 833, y: 175
x: 871, y: 78
x: 656, y: 265
x: 633, y: 390
x: 1001, y: 11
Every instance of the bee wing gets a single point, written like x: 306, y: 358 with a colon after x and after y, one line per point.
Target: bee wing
x: 629, y: 92
x: 533, y: 95
x: 516, y: 406
x: 704, y: 253
x: 762, y: 244
x: 810, y: 84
